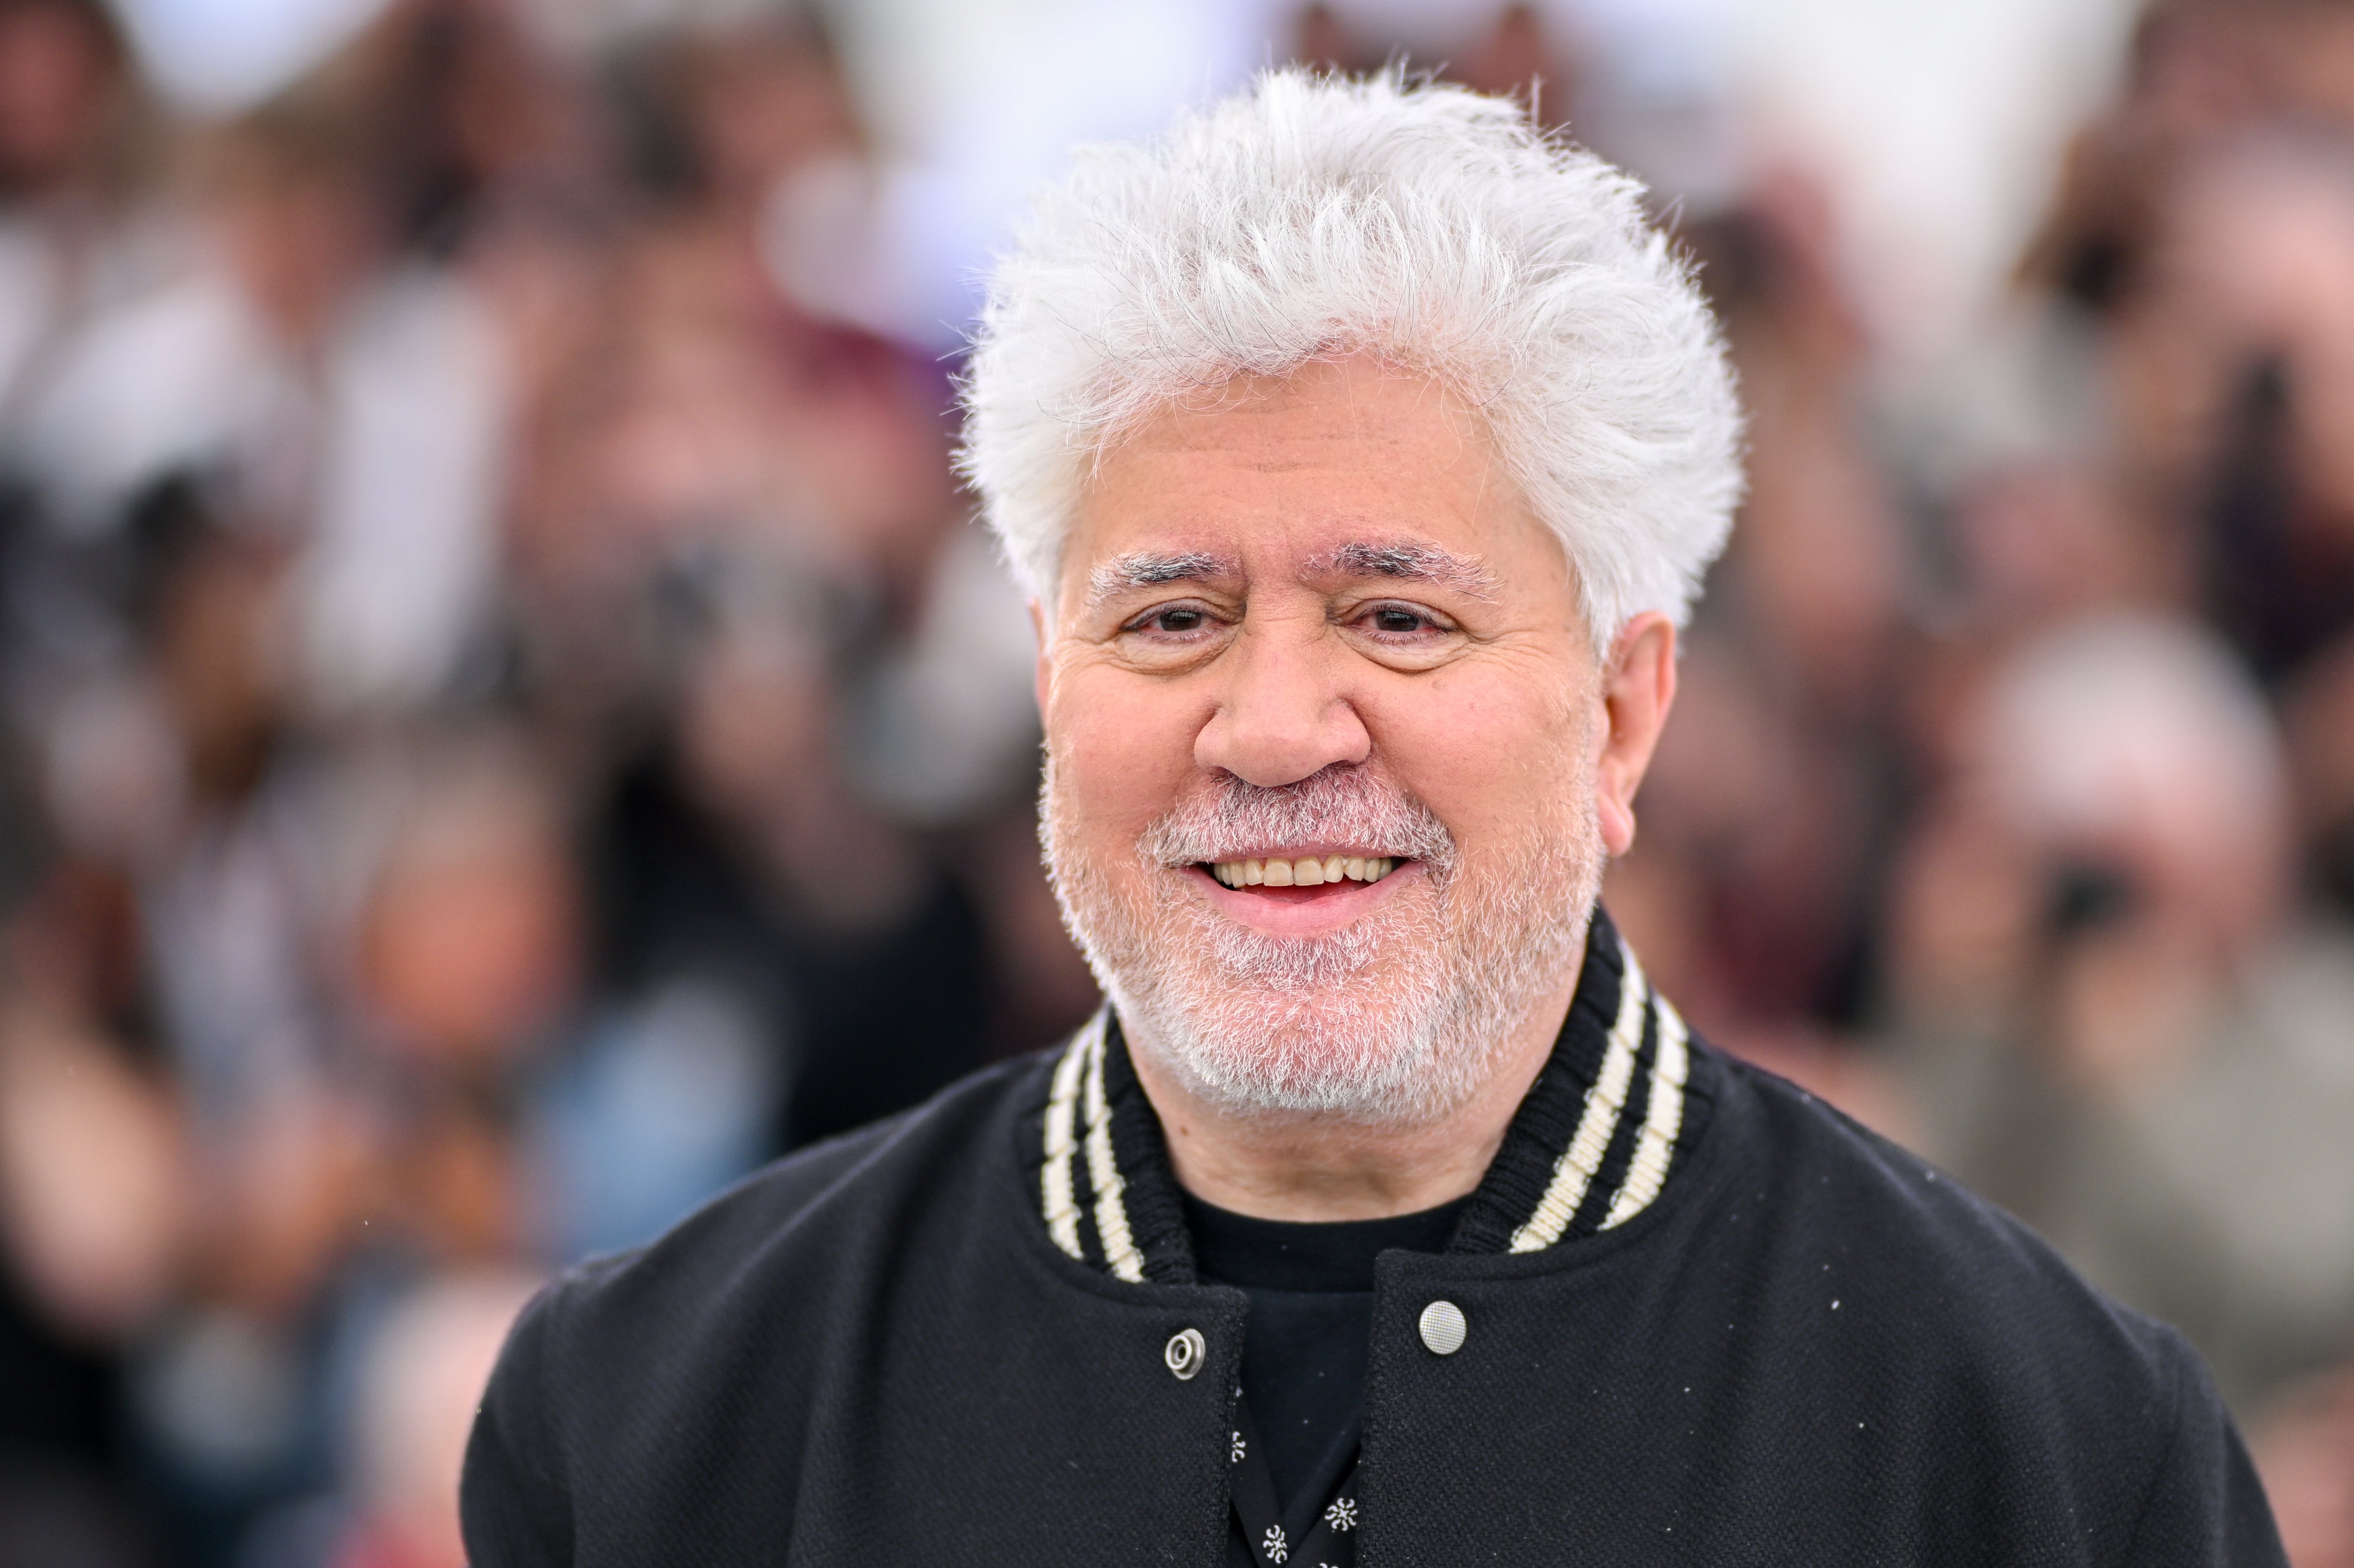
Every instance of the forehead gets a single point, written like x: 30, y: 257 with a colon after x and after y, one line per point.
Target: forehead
x: 1277, y: 473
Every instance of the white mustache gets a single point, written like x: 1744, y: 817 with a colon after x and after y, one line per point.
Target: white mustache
x: 1341, y: 804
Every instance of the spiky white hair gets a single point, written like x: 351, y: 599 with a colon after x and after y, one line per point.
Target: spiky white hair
x: 1425, y: 226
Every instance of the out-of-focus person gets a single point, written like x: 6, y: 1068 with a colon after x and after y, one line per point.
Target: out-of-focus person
x: 76, y: 234
x: 94, y: 1220
x: 420, y: 1380
x: 2197, y: 256
x: 2304, y: 1450
x: 350, y: 404
x: 737, y: 856
x: 465, y: 976
x: 2318, y: 715
x: 2261, y: 243
x: 417, y: 1369
x: 2124, y: 1023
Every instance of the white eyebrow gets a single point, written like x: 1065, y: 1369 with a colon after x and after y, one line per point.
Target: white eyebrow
x: 1123, y: 573
x: 1408, y: 561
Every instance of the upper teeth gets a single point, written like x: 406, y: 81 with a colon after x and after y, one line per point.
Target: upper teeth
x: 1308, y: 871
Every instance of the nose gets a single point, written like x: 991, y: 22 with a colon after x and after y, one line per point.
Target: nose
x: 1283, y: 715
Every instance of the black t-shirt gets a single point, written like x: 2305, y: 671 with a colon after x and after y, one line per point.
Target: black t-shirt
x: 1311, y: 1328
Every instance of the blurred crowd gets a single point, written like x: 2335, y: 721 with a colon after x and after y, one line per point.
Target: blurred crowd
x: 507, y: 722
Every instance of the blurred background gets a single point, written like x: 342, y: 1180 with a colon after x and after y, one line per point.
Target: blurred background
x: 508, y: 721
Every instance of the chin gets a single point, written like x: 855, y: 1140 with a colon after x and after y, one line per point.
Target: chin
x: 1394, y: 1021
x: 1322, y: 1052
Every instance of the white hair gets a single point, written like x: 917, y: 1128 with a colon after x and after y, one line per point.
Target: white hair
x: 1425, y: 226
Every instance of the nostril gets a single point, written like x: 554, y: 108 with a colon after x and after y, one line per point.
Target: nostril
x: 1273, y: 741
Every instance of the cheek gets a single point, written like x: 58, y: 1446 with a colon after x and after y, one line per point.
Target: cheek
x: 1491, y: 757
x: 1123, y: 750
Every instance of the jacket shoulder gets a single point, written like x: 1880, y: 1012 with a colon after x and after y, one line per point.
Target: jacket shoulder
x: 1888, y: 1234
x: 1967, y: 1342
x: 853, y: 1180
x: 625, y: 1365
x: 792, y: 1242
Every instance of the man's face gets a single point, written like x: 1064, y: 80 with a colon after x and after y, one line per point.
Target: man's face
x: 1321, y: 719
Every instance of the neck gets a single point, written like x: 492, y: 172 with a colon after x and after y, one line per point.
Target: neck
x: 1316, y: 1168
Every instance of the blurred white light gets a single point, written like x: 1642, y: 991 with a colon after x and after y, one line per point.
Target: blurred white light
x: 220, y: 56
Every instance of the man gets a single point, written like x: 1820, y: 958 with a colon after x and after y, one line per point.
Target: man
x: 1363, y: 452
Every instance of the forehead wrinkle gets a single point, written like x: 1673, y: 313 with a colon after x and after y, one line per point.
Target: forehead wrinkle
x: 1407, y: 561
x: 1147, y: 568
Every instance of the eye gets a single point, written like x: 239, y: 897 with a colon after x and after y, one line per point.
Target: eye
x: 1393, y: 622
x: 1173, y: 622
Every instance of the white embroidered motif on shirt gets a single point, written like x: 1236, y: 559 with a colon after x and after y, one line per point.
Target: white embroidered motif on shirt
x: 1240, y: 1448
x: 1342, y: 1514
x: 1275, y: 1546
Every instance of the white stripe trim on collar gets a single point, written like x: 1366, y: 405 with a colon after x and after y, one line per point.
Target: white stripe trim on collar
x: 1574, y: 1170
x: 1103, y: 1174
x: 1062, y: 1106
x: 1656, y: 1145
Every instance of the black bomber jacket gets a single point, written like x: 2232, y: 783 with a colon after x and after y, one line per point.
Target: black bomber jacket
x: 1707, y: 1321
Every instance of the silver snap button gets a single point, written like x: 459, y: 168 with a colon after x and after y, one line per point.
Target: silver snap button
x: 1442, y: 1327
x: 1186, y: 1352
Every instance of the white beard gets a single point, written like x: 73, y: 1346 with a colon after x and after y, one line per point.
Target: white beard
x: 1394, y: 1021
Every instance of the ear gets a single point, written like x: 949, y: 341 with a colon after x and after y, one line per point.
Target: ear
x: 1042, y: 678
x: 1638, y: 689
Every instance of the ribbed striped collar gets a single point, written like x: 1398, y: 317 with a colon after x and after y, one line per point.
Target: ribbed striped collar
x: 1593, y: 1144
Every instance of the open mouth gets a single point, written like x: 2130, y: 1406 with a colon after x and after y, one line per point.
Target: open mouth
x: 1301, y: 871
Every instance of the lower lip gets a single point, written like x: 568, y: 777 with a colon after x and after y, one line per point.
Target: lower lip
x: 1301, y: 911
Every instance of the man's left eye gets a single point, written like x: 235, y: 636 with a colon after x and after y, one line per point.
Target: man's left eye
x: 1397, y: 620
